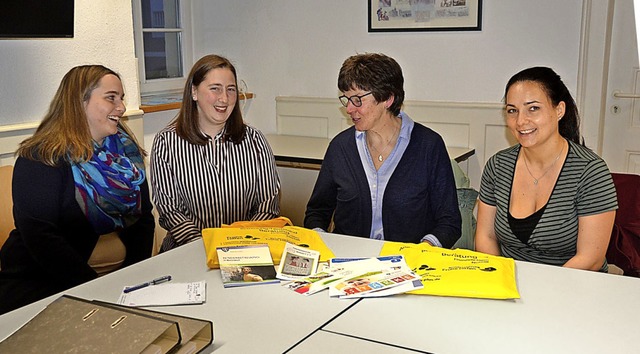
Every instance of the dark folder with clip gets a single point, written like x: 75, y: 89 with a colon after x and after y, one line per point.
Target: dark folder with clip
x: 71, y: 324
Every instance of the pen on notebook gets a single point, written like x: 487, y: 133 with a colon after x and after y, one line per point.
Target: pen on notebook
x: 144, y: 285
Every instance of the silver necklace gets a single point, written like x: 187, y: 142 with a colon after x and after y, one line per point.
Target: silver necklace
x: 535, y: 180
x: 386, y: 146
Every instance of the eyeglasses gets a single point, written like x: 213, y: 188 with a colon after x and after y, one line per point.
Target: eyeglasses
x: 355, y: 99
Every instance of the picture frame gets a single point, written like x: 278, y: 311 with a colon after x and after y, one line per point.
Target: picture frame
x: 424, y: 15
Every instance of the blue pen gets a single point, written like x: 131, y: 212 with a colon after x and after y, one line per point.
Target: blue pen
x: 144, y: 285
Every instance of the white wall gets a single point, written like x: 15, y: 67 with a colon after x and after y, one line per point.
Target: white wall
x: 296, y: 47
x: 31, y: 69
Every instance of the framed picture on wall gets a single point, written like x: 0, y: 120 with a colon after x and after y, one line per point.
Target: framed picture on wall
x: 425, y: 15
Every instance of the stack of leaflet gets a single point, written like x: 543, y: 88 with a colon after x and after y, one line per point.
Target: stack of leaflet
x: 360, y: 277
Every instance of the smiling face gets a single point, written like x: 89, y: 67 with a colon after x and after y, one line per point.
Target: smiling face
x: 370, y: 114
x: 105, y: 107
x: 531, y: 116
x: 215, y: 97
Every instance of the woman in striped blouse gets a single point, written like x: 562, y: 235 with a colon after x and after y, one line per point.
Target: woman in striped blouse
x: 548, y: 199
x: 207, y: 166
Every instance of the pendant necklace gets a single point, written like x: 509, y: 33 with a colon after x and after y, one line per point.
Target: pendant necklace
x: 380, y: 153
x: 535, y: 180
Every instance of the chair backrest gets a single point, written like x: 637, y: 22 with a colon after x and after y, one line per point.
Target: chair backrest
x: 6, y: 203
x: 467, y: 200
x: 624, y: 247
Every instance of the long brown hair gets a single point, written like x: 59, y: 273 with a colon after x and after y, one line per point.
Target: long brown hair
x: 186, y: 122
x: 552, y: 85
x: 64, y: 131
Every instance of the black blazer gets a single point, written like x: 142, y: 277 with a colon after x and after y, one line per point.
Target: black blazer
x: 53, y: 240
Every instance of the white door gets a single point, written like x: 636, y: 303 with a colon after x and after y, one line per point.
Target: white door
x: 621, y: 140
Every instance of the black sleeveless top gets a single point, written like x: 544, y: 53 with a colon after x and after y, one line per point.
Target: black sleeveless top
x: 523, y: 228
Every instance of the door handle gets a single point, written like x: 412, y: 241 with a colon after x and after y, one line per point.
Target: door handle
x: 618, y: 94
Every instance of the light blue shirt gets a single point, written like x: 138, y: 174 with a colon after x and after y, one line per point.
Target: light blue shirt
x: 378, y: 179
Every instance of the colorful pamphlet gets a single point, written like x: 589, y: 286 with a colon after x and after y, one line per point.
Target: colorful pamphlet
x: 373, y: 277
x: 374, y: 281
x: 316, y: 282
x: 246, y: 265
x: 394, y: 262
x: 297, y: 262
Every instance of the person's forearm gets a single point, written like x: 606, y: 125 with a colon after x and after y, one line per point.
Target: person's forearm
x: 267, y: 209
x: 487, y: 245
x: 584, y: 262
x: 180, y: 228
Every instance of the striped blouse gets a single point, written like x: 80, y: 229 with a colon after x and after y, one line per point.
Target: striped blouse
x: 196, y: 187
x: 584, y: 187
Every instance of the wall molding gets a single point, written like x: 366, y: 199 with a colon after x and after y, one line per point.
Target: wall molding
x: 479, y: 125
x: 13, y: 134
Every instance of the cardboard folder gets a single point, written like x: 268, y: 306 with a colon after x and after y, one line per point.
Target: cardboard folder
x: 196, y: 333
x: 74, y: 325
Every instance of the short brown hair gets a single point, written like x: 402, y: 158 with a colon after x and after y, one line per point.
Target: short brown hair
x: 374, y: 72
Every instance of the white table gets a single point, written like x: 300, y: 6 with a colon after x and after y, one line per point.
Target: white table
x: 308, y: 152
x: 265, y: 318
x: 560, y: 311
x: 327, y: 342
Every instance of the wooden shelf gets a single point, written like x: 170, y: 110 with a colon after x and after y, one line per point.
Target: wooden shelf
x: 168, y: 102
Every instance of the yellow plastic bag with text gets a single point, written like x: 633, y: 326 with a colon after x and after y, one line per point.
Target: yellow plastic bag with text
x: 280, y: 221
x: 274, y: 237
x: 460, y: 272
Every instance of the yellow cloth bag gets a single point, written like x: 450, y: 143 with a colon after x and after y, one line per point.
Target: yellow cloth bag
x: 280, y: 221
x: 275, y: 237
x: 460, y: 272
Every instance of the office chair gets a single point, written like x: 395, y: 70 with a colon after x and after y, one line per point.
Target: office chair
x: 624, y: 247
x: 6, y: 203
x: 467, y: 201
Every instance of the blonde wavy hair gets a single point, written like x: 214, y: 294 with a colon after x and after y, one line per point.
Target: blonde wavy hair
x: 64, y: 131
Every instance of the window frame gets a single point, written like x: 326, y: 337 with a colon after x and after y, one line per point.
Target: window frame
x: 169, y: 84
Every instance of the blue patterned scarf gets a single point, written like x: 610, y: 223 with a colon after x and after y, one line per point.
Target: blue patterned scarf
x: 108, y: 185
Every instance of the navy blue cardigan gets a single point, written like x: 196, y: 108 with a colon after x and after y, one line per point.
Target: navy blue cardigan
x: 420, y: 197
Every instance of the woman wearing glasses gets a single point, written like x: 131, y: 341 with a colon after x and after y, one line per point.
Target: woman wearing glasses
x: 386, y: 177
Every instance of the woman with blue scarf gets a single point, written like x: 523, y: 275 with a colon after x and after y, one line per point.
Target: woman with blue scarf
x: 80, y: 194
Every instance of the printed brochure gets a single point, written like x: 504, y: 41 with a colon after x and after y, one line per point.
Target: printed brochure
x: 246, y: 265
x: 373, y: 277
x: 297, y: 262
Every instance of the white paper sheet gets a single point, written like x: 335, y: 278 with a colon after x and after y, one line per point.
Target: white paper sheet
x: 166, y: 294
